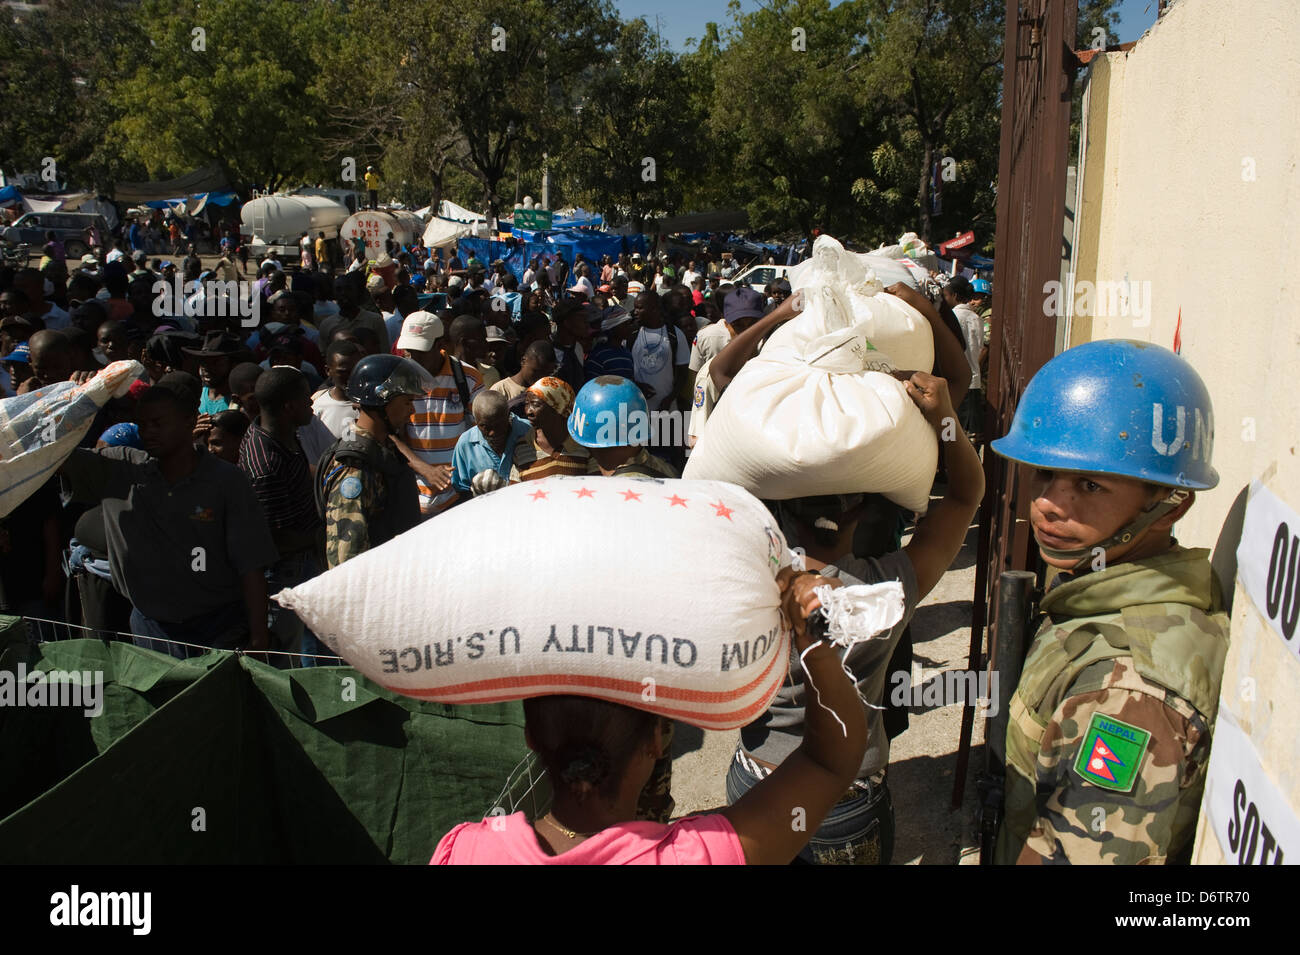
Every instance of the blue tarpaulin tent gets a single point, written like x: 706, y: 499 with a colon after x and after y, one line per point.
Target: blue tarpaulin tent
x: 213, y: 199
x: 580, y: 219
x: 565, y: 244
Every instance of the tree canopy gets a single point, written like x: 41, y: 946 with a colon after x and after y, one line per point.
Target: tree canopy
x: 865, y: 118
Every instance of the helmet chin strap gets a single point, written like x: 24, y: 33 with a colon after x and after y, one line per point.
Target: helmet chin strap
x: 1122, y: 536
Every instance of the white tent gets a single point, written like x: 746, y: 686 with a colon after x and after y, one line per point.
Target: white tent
x: 442, y: 233
x: 451, y: 223
x: 449, y: 210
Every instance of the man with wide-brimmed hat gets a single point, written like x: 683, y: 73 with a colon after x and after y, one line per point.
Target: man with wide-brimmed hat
x: 216, y: 357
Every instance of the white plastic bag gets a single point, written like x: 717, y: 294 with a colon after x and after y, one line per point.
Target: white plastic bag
x: 818, y: 410
x: 40, y: 429
x: 850, y: 293
x: 571, y: 585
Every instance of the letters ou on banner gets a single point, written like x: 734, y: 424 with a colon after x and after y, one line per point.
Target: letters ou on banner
x: 1268, y: 562
x: 405, y: 616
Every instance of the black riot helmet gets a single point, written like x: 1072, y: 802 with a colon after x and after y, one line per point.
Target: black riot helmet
x: 378, y: 379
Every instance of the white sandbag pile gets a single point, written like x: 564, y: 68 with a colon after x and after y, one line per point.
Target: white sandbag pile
x: 40, y: 429
x: 818, y: 410
x: 591, y: 599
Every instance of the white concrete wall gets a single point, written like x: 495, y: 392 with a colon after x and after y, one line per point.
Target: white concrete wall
x: 1190, y: 183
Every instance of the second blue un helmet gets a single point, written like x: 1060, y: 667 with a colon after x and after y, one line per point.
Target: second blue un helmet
x: 1119, y: 407
x: 609, y: 412
x: 1126, y: 408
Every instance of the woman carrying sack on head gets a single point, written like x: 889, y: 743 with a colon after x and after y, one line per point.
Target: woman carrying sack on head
x: 599, y: 755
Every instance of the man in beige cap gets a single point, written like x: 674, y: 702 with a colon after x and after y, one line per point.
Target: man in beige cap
x: 377, y: 289
x: 440, y: 418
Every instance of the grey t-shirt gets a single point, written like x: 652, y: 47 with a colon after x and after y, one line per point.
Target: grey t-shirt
x: 154, y: 527
x: 778, y: 732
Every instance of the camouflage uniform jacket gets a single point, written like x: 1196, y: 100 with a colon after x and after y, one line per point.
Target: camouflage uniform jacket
x: 645, y: 464
x: 1109, y: 728
x: 367, y: 495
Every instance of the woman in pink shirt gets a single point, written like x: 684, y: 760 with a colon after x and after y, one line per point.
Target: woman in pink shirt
x: 599, y: 756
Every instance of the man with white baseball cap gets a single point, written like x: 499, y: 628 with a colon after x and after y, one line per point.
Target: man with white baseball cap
x: 439, y: 419
x: 422, y: 339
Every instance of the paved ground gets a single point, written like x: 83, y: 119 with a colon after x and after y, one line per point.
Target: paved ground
x: 922, y: 760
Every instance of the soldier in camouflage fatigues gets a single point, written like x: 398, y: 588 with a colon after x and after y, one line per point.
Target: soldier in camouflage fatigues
x: 365, y: 490
x: 358, y: 497
x: 1108, y: 732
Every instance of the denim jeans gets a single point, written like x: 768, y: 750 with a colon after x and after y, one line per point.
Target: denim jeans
x: 288, y: 633
x: 856, y: 831
x: 222, y: 629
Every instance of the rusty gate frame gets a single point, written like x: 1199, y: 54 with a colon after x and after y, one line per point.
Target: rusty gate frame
x: 1037, y: 85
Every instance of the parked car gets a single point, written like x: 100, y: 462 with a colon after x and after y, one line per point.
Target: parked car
x: 757, y: 276
x: 69, y: 227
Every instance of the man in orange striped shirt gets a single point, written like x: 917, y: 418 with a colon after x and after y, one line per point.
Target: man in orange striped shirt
x: 442, y: 416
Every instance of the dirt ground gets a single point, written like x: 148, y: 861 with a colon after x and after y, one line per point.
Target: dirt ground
x: 923, y: 760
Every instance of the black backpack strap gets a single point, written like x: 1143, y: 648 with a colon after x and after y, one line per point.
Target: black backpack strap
x: 462, y: 385
x: 322, y: 476
x: 343, y: 453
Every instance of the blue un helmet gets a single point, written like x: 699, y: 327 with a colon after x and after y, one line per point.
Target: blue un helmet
x: 609, y: 412
x: 1119, y: 407
x: 981, y: 287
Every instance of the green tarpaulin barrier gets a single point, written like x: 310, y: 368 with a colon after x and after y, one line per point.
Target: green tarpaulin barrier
x: 224, y: 759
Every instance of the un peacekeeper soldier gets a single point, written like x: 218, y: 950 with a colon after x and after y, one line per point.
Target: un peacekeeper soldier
x: 365, y: 490
x: 1109, y: 732
x: 607, y: 416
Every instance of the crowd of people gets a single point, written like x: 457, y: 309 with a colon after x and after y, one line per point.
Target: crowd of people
x: 257, y: 452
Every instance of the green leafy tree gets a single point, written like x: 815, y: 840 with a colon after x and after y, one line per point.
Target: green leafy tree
x: 229, y: 82
x: 782, y: 110
x: 57, y: 61
x: 485, y: 78
x: 632, y: 142
x: 935, y: 66
x: 926, y: 61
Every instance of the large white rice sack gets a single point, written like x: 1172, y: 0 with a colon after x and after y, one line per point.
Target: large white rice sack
x: 40, y: 429
x: 657, y: 594
x: 818, y: 410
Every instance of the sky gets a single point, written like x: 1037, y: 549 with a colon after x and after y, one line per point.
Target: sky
x: 683, y: 19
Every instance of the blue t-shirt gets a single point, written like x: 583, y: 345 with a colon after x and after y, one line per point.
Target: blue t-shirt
x: 473, y: 454
x: 210, y: 404
x: 607, y: 359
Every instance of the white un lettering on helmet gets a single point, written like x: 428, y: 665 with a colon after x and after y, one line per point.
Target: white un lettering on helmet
x: 1202, y: 432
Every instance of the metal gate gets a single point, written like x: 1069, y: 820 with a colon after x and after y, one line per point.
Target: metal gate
x: 1037, y: 84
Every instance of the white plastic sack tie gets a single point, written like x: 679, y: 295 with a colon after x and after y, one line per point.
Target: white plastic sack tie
x: 854, y: 614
